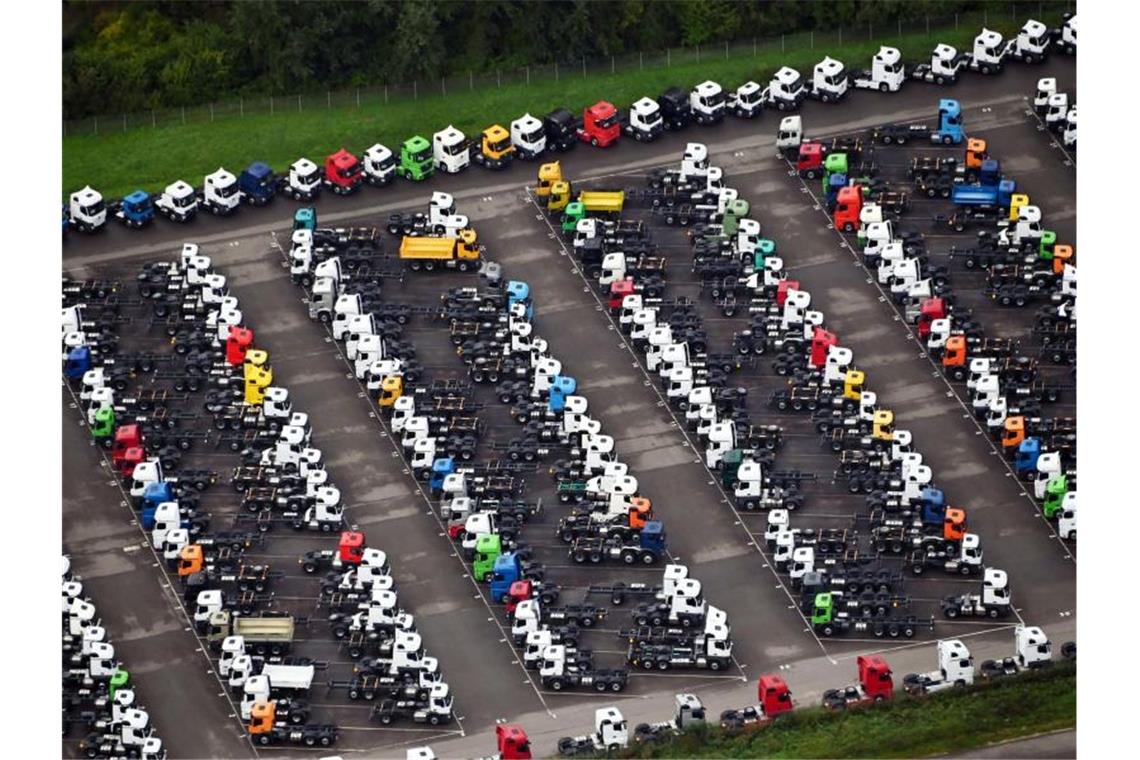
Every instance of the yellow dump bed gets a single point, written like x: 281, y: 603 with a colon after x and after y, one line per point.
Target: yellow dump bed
x: 605, y: 202
x: 264, y: 628
x: 435, y: 248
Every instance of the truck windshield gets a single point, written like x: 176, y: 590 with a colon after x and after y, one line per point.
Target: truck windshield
x: 387, y: 162
x: 352, y: 170
x: 533, y: 137
x: 750, y: 97
x: 421, y: 156
x: 182, y: 201
x: 455, y: 148
x: 225, y: 191
x: 500, y: 145
x: 94, y: 208
x: 893, y: 68
x: 712, y: 101
x: 307, y: 177
x: 608, y: 122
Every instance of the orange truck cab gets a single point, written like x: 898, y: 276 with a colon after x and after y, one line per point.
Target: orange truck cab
x: 1062, y: 255
x: 954, y: 524
x: 191, y: 560
x: 640, y: 512
x: 954, y: 353
x: 976, y: 152
x: 848, y: 206
x: 1013, y: 433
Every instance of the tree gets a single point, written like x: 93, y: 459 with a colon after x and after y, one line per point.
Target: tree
x: 416, y: 49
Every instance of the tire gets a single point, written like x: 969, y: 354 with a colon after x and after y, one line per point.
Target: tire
x: 883, y: 87
x: 939, y: 80
x: 594, y: 141
x: 951, y: 612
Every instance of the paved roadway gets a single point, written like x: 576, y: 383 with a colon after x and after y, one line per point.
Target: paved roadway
x: 768, y: 635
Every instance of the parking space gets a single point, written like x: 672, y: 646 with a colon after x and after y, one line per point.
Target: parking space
x: 722, y: 545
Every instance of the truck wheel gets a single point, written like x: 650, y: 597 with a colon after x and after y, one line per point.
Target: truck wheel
x: 433, y: 719
x: 883, y: 87
x: 556, y: 685
x: 947, y: 140
x: 940, y: 80
x: 386, y: 718
x: 827, y: 630
x: 594, y: 141
x: 714, y: 665
x: 887, y: 139
x: 263, y: 740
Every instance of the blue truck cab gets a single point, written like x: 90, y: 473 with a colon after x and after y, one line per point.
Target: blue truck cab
x: 440, y: 469
x: 653, y: 537
x: 1025, y: 461
x: 257, y: 183
x: 561, y: 386
x: 77, y: 363
x: 506, y: 570
x: 136, y: 210
x: 153, y: 495
x: 933, y: 506
x: 950, y: 130
x: 519, y: 292
x: 835, y: 182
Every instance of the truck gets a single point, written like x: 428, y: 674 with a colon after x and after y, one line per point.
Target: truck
x: 875, y: 685
x: 611, y: 733
x: 886, y: 73
x: 707, y: 103
x: 1031, y: 45
x: 528, y: 136
x: 996, y: 195
x: 745, y: 102
x: 644, y: 123
x: 272, y: 635
x: 600, y: 125
x: 774, y: 699
x: 785, y: 90
x: 955, y: 668
x: 135, y: 210
x: 989, y: 52
x: 648, y: 547
x: 829, y: 81
x: 495, y: 149
x: 379, y: 165
x: 416, y: 162
x: 257, y: 183
x: 178, y: 202
x: 87, y: 210
x: 220, y: 194
x: 557, y: 674
x: 688, y: 712
x: 266, y: 730
x: 451, y: 152
x: 993, y: 602
x: 343, y: 173
x: 676, y: 111
x: 827, y: 621
x: 949, y: 130
x: 700, y: 652
x: 1032, y: 649
x: 429, y: 253
x: 946, y: 63
x: 434, y: 710
x: 1065, y: 37
x: 303, y: 183
x: 561, y: 131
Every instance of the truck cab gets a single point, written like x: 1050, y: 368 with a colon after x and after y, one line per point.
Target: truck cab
x: 220, y: 193
x: 257, y: 183
x: 495, y: 149
x: 989, y: 52
x: 528, y: 137
x: 304, y: 181
x: 561, y: 134
x: 645, y: 122
x: 512, y: 742
x: 416, y: 159
x: 136, y: 210
x: 178, y: 202
x: 946, y: 63
x: 675, y: 108
x: 886, y: 74
x: 829, y: 80
x: 786, y: 89
x: 379, y: 165
x: 343, y: 173
x: 450, y: 151
x: 707, y: 102
x: 88, y: 210
x: 746, y: 102
x: 600, y: 125
x: 1065, y: 38
x: 1031, y: 45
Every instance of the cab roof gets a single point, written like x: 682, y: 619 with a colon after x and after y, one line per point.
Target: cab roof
x: 496, y: 132
x: 416, y: 143
x: 603, y: 109
x: 136, y: 198
x: 448, y: 135
x: 342, y: 159
x: 258, y: 170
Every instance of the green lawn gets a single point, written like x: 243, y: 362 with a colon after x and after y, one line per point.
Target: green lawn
x: 1028, y: 704
x: 151, y: 158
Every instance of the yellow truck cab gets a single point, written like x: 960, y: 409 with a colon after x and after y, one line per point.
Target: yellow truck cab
x: 548, y: 174
x: 258, y: 376
x: 430, y: 253
x: 391, y: 388
x: 495, y: 148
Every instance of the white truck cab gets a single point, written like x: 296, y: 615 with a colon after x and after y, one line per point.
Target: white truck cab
x: 379, y: 165
x: 707, y: 102
x: 528, y: 136
x: 220, y: 194
x: 87, y: 209
x: 746, y: 102
x: 304, y: 180
x: 178, y: 202
x: 450, y: 150
x: 829, y: 80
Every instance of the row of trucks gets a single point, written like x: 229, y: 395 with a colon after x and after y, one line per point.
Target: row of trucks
x: 528, y: 137
x: 1052, y: 106
x: 98, y: 697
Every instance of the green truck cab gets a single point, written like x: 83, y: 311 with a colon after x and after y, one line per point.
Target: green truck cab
x: 416, y: 161
x: 488, y: 547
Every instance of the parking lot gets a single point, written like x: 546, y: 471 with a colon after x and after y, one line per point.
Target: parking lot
x: 457, y: 620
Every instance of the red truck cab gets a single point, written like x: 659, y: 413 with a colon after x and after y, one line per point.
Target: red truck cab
x: 350, y: 548
x: 773, y: 694
x: 821, y: 340
x: 343, y: 172
x: 239, y: 341
x: 618, y: 291
x: 930, y: 310
x: 848, y: 206
x: 512, y: 742
x: 875, y: 677
x: 600, y: 125
x: 782, y: 290
x: 809, y: 164
x: 127, y: 449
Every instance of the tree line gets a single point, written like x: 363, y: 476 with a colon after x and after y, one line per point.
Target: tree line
x: 123, y: 57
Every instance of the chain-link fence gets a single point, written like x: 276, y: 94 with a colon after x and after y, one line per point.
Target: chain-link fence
x: 741, y: 49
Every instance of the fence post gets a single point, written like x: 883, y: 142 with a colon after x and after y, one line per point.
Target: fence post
x: 928, y: 25
x: 583, y: 67
x: 556, y: 71
x: 668, y: 57
x: 328, y: 98
x: 753, y: 47
x: 416, y: 90
x: 870, y: 31
x: 955, y: 21
x: 153, y: 120
x: 124, y: 122
x: 211, y: 113
x: 299, y: 109
x: 840, y: 36
x: 358, y: 97
x: 528, y: 74
x: 471, y: 81
x: 726, y: 50
x: 183, y: 114
x: 270, y: 105
x: 641, y: 60
x: 985, y: 16
x: 385, y: 94
x: 241, y: 106
x: 781, y: 43
x: 613, y: 64
x: 96, y: 125
x: 443, y: 85
x: 698, y: 53
x: 498, y: 78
